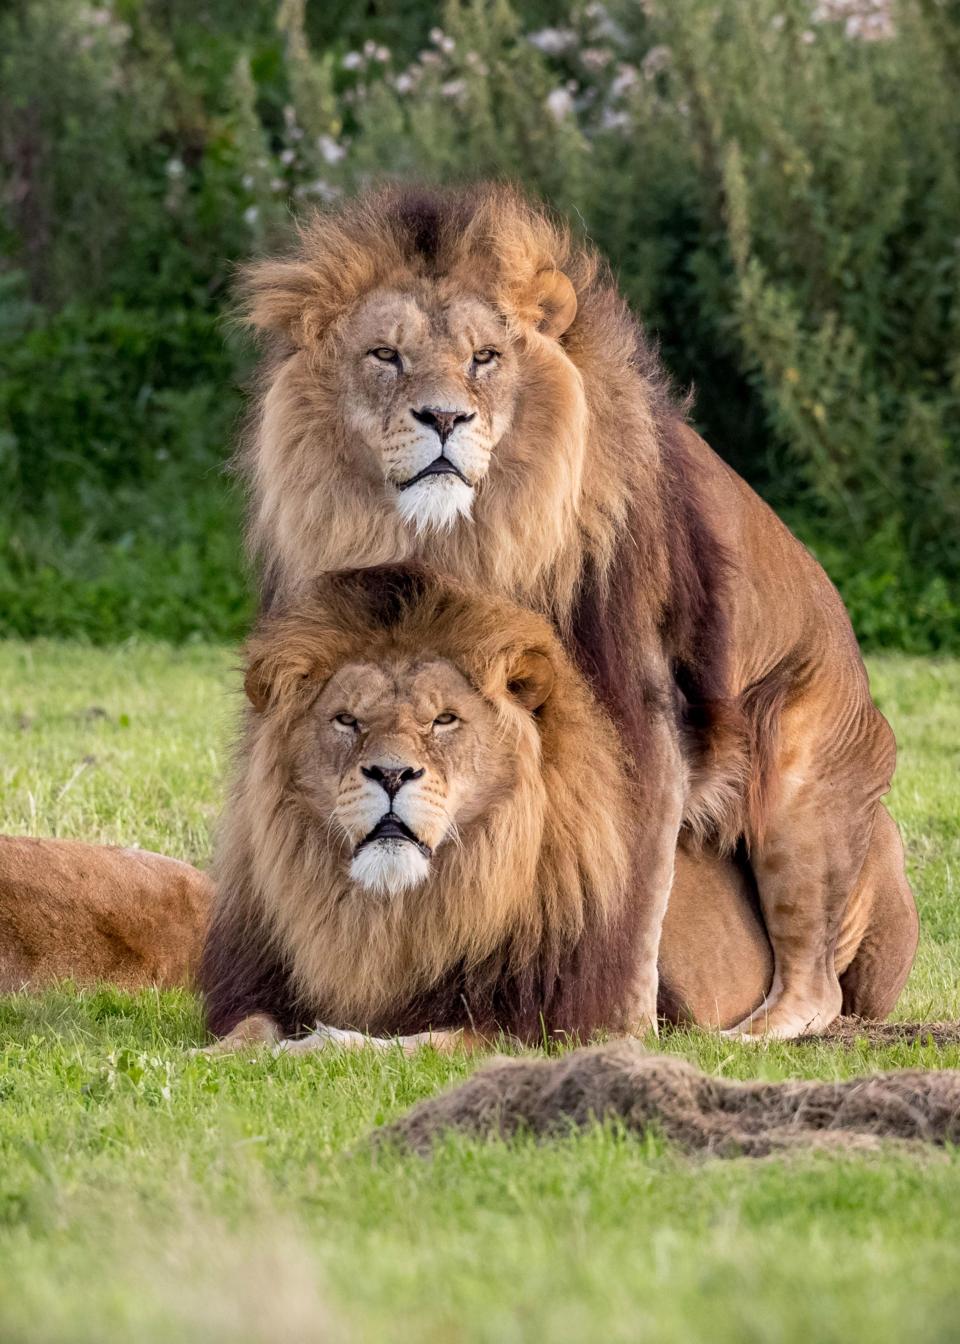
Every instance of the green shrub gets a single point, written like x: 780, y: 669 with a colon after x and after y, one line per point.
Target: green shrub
x: 777, y: 186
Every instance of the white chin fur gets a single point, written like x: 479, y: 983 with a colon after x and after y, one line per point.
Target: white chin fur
x: 389, y: 867
x: 436, y: 502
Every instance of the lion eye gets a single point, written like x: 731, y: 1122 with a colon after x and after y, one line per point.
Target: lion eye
x: 386, y: 354
x: 347, y: 721
x: 485, y: 356
x: 445, y: 720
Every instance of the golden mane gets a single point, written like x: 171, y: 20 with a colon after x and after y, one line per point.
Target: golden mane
x: 527, y: 914
x: 549, y: 507
x: 714, y: 640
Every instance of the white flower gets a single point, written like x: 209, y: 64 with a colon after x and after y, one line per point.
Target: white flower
x: 277, y: 184
x: 553, y: 41
x: 596, y: 58
x: 287, y: 157
x: 174, y: 168
x: 323, y: 189
x: 559, y: 104
x: 403, y: 83
x: 778, y: 20
x: 626, y: 78
x: 808, y: 36
x: 454, y: 88
x: 96, y: 17
x: 249, y: 181
x: 329, y: 149
x: 251, y: 215
x: 369, y: 49
x: 352, y: 61
x: 656, y: 59
x: 612, y: 120
x: 382, y: 54
x: 440, y: 39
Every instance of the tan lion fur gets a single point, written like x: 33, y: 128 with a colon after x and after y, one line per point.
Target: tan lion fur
x: 713, y: 638
x: 543, y: 868
x: 527, y: 922
x: 547, y: 502
x: 90, y: 913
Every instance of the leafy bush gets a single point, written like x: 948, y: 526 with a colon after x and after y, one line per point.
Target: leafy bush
x: 777, y: 185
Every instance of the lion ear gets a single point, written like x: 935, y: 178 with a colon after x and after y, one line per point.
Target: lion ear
x: 557, y: 302
x: 530, y: 680
x: 258, y: 684
x: 276, y: 297
x: 269, y: 679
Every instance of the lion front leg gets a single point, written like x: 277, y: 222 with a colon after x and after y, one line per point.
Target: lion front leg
x: 831, y: 765
x: 324, y: 1037
x: 654, y: 858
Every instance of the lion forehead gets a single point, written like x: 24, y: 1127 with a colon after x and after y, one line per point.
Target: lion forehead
x: 361, y: 685
x: 436, y: 314
x: 391, y: 316
x: 430, y: 683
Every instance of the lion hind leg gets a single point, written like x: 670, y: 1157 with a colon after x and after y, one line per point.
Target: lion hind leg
x: 872, y: 981
x: 834, y: 759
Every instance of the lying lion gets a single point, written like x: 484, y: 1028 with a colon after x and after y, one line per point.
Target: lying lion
x: 429, y: 834
x: 451, y: 379
x: 91, y: 913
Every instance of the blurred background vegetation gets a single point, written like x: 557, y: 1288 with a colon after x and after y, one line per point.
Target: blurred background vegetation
x: 777, y: 185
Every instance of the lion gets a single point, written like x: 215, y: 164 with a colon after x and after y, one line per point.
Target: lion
x: 92, y: 913
x: 450, y: 379
x: 429, y: 835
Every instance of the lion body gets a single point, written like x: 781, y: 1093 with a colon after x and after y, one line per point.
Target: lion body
x: 527, y: 921
x: 524, y: 922
x: 92, y: 913
x: 715, y: 641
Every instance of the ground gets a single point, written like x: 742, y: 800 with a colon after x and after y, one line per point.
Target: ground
x: 147, y: 1194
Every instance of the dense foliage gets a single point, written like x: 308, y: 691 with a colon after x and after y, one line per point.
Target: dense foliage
x: 778, y: 186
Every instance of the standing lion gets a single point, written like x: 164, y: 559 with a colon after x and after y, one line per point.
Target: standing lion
x: 451, y: 379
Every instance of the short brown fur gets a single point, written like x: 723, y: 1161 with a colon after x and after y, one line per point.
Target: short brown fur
x: 525, y: 924
x: 90, y: 913
x: 529, y: 924
x: 713, y: 638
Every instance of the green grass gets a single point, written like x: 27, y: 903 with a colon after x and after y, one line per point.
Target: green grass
x: 149, y: 1195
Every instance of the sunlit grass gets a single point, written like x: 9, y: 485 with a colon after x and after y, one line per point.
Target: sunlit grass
x: 152, y: 1195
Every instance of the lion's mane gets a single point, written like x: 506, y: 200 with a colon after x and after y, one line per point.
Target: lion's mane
x: 524, y: 924
x: 590, y: 513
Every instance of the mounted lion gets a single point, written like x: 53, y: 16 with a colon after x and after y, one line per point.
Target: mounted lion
x: 430, y: 832
x: 450, y: 379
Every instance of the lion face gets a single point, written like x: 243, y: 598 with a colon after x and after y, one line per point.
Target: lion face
x: 397, y: 759
x: 429, y: 387
x: 423, y: 405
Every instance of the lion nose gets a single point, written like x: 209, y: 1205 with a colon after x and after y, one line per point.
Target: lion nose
x: 391, y: 778
x: 443, y: 423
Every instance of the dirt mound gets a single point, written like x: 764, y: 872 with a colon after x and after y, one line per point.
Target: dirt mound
x: 850, y: 1030
x: 699, y: 1113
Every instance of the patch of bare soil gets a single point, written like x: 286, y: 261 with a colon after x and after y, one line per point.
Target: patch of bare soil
x: 851, y: 1030
x: 699, y: 1113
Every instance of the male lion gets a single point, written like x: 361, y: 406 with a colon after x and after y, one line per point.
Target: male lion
x: 452, y: 380
x: 430, y: 831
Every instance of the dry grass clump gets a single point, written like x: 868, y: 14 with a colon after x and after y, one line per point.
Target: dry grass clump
x: 851, y: 1030
x: 701, y: 1114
